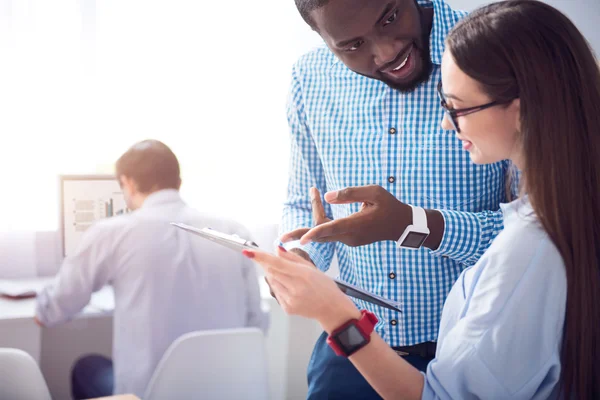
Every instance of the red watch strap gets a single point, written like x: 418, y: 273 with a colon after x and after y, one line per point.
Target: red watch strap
x: 365, y: 325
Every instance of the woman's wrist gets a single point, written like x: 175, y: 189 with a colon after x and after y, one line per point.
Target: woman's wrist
x: 338, y: 316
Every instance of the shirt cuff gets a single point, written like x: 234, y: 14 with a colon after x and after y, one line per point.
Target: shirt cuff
x: 46, y: 308
x: 462, y: 235
x: 40, y: 306
x: 427, y: 393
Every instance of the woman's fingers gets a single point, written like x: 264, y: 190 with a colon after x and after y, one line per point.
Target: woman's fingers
x: 293, y: 257
x: 287, y: 272
x: 278, y: 287
x: 294, y: 281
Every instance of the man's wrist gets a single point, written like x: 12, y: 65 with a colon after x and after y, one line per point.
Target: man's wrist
x: 435, y: 223
x: 403, y: 219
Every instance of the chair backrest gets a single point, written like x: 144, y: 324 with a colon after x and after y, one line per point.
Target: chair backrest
x: 20, y: 377
x: 217, y: 364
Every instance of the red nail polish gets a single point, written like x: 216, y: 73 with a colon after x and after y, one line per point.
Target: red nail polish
x: 282, y: 249
x: 248, y: 253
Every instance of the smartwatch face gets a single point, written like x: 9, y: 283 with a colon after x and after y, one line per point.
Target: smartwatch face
x: 350, y: 339
x: 414, y: 240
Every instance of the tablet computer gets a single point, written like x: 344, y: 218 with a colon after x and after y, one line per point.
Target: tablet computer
x: 235, y: 242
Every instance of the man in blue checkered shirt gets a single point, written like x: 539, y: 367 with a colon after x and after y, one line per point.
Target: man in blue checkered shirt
x: 364, y: 111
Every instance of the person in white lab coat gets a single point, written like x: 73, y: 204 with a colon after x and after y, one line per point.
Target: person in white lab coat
x: 166, y: 281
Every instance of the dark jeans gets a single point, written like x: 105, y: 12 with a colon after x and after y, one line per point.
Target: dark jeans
x: 331, y: 377
x: 92, y: 376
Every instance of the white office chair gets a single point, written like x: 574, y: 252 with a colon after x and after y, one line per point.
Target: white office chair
x: 20, y: 377
x: 227, y: 364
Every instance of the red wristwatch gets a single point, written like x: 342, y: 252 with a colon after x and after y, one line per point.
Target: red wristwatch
x: 353, y: 335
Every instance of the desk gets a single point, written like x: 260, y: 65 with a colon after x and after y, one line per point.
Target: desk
x: 289, y: 341
x: 101, y: 302
x: 18, y: 330
x: 56, y: 349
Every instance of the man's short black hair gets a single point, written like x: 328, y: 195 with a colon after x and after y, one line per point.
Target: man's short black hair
x: 151, y: 164
x: 307, y: 6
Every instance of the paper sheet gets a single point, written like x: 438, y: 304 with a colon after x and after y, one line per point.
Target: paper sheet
x: 22, y: 288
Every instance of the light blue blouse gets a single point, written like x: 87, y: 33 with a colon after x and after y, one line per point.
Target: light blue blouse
x: 501, y: 329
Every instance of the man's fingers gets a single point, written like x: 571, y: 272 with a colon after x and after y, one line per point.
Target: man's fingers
x: 334, y: 228
x: 319, y: 217
x: 318, y: 210
x: 296, y: 234
x: 353, y: 194
x: 347, y: 239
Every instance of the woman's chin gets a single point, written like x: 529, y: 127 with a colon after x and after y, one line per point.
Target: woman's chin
x: 481, y: 159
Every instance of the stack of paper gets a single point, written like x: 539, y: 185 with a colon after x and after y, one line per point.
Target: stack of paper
x: 22, y: 288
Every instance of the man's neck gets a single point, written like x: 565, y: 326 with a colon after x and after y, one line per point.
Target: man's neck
x: 141, y: 198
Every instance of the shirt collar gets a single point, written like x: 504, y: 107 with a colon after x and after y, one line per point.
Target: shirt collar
x: 519, y: 208
x: 164, y: 196
x: 444, y: 19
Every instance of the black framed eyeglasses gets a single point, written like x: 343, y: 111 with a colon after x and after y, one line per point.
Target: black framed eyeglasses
x: 454, y: 113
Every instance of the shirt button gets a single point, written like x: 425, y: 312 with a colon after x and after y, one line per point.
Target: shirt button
x: 392, y: 131
x: 394, y: 322
x: 391, y: 179
x: 392, y: 275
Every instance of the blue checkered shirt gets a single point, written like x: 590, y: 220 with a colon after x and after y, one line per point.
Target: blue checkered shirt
x: 349, y: 130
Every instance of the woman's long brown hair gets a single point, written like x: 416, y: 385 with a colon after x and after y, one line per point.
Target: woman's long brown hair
x: 528, y: 49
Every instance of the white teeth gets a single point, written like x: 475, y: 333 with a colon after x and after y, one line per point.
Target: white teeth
x: 403, y: 63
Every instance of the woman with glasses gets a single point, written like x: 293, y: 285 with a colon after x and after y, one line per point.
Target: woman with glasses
x: 454, y: 113
x: 519, y: 82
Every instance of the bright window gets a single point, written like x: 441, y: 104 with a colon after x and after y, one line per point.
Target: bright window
x: 81, y: 81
